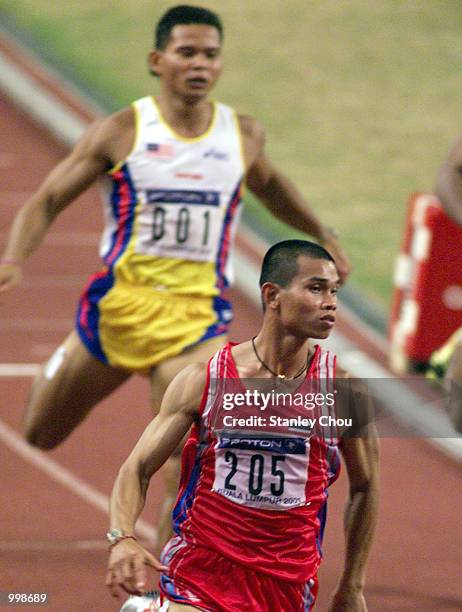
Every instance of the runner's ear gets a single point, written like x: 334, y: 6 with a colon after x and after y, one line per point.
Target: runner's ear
x: 154, y: 58
x: 270, y: 293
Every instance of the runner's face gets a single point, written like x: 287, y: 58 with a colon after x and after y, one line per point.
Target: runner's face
x: 308, y: 304
x: 190, y: 64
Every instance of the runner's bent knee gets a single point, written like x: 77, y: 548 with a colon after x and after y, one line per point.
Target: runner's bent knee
x: 69, y: 384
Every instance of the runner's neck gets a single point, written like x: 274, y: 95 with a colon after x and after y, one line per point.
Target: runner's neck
x: 187, y: 120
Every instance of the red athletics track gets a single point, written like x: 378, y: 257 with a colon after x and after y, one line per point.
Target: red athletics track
x: 51, y: 531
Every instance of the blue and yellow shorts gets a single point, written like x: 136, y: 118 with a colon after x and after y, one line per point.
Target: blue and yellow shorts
x: 136, y: 328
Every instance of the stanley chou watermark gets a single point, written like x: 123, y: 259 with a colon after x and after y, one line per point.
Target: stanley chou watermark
x: 322, y: 408
x: 261, y: 401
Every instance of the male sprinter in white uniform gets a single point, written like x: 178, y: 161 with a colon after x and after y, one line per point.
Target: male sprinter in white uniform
x: 174, y: 168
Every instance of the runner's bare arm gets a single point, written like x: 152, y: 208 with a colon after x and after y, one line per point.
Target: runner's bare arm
x: 281, y: 196
x: 91, y: 157
x: 179, y: 409
x: 361, y: 457
x: 449, y: 183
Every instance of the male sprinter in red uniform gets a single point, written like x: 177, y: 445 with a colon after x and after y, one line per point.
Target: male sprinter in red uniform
x: 251, y: 509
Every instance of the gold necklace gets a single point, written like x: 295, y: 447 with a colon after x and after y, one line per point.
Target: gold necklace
x: 281, y: 376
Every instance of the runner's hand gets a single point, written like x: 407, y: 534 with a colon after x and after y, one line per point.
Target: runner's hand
x: 331, y: 244
x: 348, y: 601
x: 127, y: 568
x: 10, y: 275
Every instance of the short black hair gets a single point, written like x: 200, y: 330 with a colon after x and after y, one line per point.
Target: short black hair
x: 184, y: 14
x: 280, y: 263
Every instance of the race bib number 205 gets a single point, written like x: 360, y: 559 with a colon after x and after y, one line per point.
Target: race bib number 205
x: 183, y: 224
x: 268, y: 473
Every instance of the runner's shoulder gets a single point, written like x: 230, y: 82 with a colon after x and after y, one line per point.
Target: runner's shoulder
x: 108, y: 138
x: 251, y: 128
x: 186, y: 389
x: 113, y: 126
x: 346, y: 380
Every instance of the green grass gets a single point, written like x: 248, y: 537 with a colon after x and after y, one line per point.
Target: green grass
x: 358, y: 98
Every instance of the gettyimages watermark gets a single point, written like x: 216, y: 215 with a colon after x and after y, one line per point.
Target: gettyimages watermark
x: 331, y: 408
x: 277, y: 409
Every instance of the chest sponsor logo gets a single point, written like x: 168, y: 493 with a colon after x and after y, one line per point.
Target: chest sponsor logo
x: 286, y: 446
x: 160, y: 150
x: 216, y: 154
x: 183, y: 196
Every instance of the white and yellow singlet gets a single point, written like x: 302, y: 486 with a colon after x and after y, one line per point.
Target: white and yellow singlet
x: 171, y: 212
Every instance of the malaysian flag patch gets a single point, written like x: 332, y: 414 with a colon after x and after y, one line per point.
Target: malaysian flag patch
x: 165, y: 151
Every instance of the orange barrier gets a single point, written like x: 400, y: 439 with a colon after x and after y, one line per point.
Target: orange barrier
x: 427, y: 300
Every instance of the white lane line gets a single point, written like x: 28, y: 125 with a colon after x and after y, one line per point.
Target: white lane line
x: 63, y: 476
x: 44, y: 107
x: 18, y: 369
x: 366, y: 331
x: 47, y: 75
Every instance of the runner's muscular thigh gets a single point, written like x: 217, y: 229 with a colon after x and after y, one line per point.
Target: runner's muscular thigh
x: 65, y: 390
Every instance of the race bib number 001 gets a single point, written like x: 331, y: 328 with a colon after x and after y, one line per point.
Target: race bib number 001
x: 267, y: 473
x: 183, y: 224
